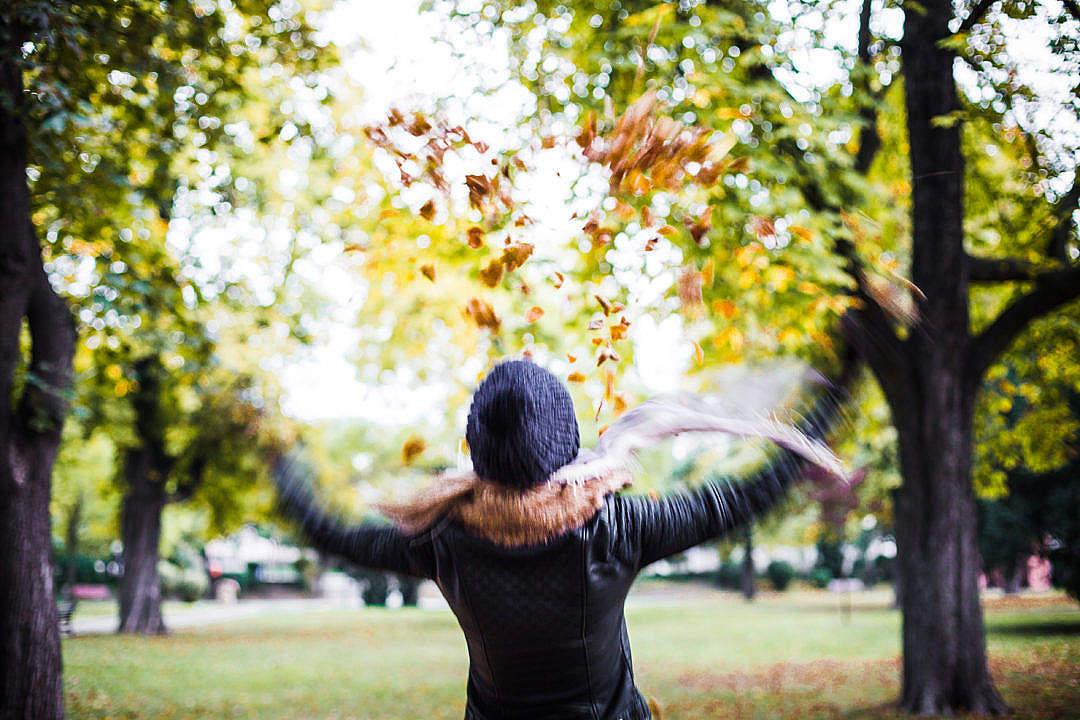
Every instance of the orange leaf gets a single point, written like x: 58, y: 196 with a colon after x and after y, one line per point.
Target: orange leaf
x: 428, y: 271
x: 515, y: 254
x: 559, y: 280
x: 699, y: 355
x: 534, y: 314
x: 476, y: 237
x: 575, y: 377
x: 482, y: 314
x: 492, y: 274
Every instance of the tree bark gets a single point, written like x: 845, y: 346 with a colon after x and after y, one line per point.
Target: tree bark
x: 30, y: 427
x: 945, y: 667
x: 71, y: 547
x: 140, y: 532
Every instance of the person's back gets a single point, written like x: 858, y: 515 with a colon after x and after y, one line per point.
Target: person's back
x: 544, y: 623
x: 537, y: 572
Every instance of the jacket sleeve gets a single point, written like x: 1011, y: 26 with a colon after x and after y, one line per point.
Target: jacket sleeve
x: 370, y: 544
x: 660, y: 528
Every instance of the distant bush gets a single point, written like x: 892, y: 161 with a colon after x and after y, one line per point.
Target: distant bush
x: 820, y: 577
x: 780, y: 574
x: 729, y: 576
x: 187, y: 584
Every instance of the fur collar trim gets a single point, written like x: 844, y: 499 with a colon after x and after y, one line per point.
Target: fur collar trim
x: 506, y: 516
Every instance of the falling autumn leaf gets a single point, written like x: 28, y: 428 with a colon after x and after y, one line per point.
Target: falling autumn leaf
x: 689, y: 286
x: 492, y: 274
x: 412, y: 449
x: 482, y: 314
x: 427, y: 210
x: 571, y: 358
x: 575, y: 377
x: 559, y: 280
x: 428, y: 271
x: 699, y: 355
x: 475, y: 236
x: 604, y: 305
x: 534, y: 314
x: 605, y: 355
x: 514, y: 255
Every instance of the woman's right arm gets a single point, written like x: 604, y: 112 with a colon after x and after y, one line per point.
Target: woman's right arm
x: 373, y: 545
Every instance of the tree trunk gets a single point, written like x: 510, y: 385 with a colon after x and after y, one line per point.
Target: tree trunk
x: 30, y: 428
x: 945, y: 667
x: 71, y: 548
x: 140, y: 532
x: 749, y: 587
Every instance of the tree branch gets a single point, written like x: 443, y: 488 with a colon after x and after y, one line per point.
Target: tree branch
x: 1052, y: 290
x: 869, y: 140
x: 868, y: 327
x: 977, y: 14
x: 1072, y: 7
x: 992, y: 270
x: 45, y: 399
x: 1063, y: 212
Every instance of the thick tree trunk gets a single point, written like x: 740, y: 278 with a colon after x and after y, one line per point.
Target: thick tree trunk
x: 140, y: 532
x: 30, y: 429
x: 29, y: 626
x: 749, y: 587
x: 945, y: 666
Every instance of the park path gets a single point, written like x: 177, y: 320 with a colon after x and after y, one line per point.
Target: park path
x: 211, y: 613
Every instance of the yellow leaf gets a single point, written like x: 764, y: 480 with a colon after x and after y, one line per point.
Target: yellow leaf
x: 699, y: 354
x: 412, y: 449
x: 575, y: 377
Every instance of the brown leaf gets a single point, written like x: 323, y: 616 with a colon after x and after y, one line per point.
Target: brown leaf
x: 427, y: 210
x: 482, y: 314
x: 559, y: 280
x: 475, y: 237
x: 604, y: 304
x: 515, y: 254
x: 428, y: 271
x: 492, y: 274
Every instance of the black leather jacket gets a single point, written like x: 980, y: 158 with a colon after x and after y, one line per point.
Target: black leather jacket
x: 544, y: 623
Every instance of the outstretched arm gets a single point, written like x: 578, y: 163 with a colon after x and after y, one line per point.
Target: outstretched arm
x: 661, y: 528
x: 382, y: 547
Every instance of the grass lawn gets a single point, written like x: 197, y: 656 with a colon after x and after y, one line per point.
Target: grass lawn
x: 701, y: 654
